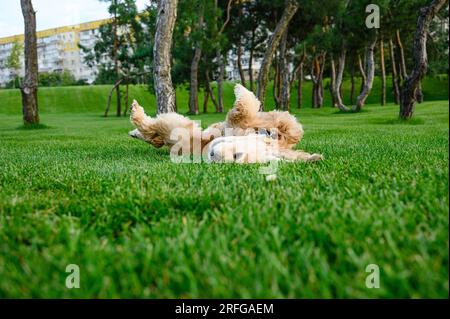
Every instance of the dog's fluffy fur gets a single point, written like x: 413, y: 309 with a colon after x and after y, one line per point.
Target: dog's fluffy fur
x: 242, y: 120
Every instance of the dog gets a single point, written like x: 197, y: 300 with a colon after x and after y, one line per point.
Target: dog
x: 282, y: 133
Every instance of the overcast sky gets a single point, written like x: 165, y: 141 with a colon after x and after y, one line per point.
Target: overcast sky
x: 53, y: 13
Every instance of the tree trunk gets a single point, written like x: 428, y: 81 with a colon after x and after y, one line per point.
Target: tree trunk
x: 395, y: 80
x: 321, y: 91
x: 419, y: 93
x: 193, y: 87
x: 300, y: 87
x: 220, y: 81
x: 193, y: 90
x: 250, y: 61
x: 289, y: 11
x: 314, y: 67
x: 336, y: 91
x: 352, y: 79
x: 276, y: 84
x: 220, y: 59
x: 239, y: 63
x: 362, y: 72
x: 239, y: 54
x: 318, y: 64
x: 412, y: 82
x: 205, y: 101
x: 108, y: 101
x: 116, y: 61
x: 209, y: 90
x: 370, y: 73
x: 285, y: 80
x: 402, y: 55
x: 165, y: 22
x: 383, y: 73
x: 127, y: 90
x: 29, y: 86
x: 332, y: 80
x: 300, y: 80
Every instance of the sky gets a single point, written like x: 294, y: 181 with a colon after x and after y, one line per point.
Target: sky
x: 53, y: 13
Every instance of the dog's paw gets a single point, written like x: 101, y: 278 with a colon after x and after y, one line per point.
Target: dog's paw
x: 134, y: 133
x: 315, y: 158
x: 137, y: 111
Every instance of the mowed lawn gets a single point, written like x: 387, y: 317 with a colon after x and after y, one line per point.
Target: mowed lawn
x: 82, y: 192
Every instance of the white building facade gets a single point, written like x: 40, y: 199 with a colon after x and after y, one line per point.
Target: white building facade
x: 232, y: 69
x: 57, y: 51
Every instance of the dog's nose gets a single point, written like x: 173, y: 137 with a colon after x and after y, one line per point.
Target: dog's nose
x: 211, y: 154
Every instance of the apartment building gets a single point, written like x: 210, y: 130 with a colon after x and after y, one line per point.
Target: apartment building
x: 57, y: 51
x: 232, y: 69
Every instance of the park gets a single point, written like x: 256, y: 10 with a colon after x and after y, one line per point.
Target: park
x: 76, y: 189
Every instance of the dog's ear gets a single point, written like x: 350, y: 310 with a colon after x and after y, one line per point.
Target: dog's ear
x: 157, y: 141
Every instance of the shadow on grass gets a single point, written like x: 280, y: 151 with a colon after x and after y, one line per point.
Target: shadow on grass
x: 30, y: 127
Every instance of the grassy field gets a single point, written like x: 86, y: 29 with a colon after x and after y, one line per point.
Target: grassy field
x: 82, y: 192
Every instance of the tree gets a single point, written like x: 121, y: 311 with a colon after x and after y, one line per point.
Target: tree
x: 408, y: 97
x: 300, y: 76
x: 30, y: 83
x: 263, y: 77
x: 219, y: 55
x: 317, y: 69
x: 350, y: 23
x: 121, y: 41
x: 437, y: 47
x: 165, y: 23
x: 193, y: 31
x: 13, y: 61
x: 395, y: 78
x: 383, y: 73
x: 113, y: 10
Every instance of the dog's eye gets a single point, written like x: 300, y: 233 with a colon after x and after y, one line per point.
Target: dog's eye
x: 211, y: 154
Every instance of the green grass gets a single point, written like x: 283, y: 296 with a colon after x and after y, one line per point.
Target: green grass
x: 82, y: 192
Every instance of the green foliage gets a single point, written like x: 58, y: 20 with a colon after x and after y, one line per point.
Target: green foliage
x: 133, y: 50
x: 105, y: 76
x: 141, y: 226
x: 64, y: 78
x: 13, y: 60
x: 438, y: 53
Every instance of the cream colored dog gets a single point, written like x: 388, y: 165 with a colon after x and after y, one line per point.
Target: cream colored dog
x: 253, y: 148
x: 233, y: 140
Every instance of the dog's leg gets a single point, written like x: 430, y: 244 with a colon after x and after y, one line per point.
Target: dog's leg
x: 138, y: 116
x: 245, y: 109
x: 136, y: 134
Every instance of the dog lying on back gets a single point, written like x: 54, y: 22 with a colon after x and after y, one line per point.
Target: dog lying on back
x: 234, y: 140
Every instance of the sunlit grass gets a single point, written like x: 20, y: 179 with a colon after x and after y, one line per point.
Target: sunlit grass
x: 138, y: 225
